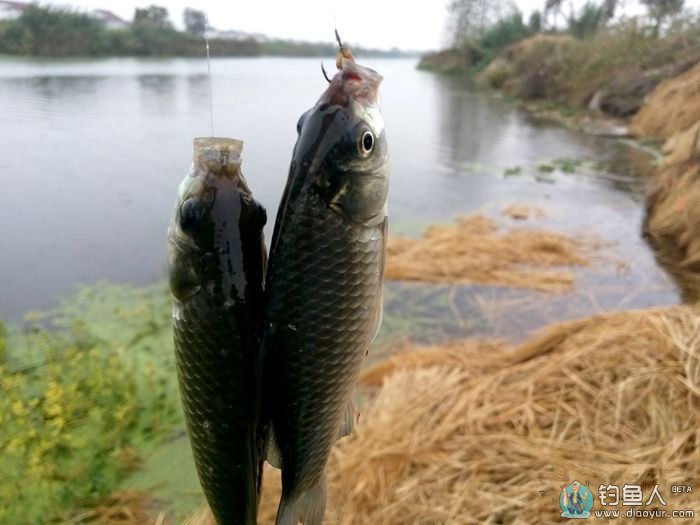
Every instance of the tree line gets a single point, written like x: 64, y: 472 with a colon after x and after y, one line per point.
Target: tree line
x: 483, y: 28
x: 56, y: 31
x: 473, y: 19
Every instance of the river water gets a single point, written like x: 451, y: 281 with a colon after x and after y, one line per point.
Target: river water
x: 91, y: 154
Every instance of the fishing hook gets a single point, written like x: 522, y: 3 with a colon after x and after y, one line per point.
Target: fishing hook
x: 324, y: 72
x: 337, y: 37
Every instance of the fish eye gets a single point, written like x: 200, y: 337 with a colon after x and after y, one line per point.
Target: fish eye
x: 366, y: 143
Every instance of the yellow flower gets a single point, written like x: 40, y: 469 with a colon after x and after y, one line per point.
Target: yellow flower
x: 18, y: 408
x: 15, y: 445
x: 58, y: 423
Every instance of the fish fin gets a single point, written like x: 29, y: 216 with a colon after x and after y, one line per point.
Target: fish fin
x: 382, y: 263
x: 380, y: 318
x: 258, y: 485
x: 308, y: 508
x: 274, y: 456
x: 347, y: 424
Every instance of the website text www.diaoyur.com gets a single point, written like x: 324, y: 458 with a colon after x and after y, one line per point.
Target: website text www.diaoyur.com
x: 644, y: 513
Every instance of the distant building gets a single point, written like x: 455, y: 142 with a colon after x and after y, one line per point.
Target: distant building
x: 109, y: 20
x: 11, y: 10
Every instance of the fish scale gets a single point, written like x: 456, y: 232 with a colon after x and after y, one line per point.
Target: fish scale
x: 211, y: 388
x: 335, y: 313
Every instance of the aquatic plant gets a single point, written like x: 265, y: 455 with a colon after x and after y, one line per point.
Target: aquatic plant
x: 564, y: 165
x: 513, y: 171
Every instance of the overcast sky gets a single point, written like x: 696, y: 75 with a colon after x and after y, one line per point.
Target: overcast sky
x: 372, y: 23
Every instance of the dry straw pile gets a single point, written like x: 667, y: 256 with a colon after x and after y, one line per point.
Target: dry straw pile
x: 672, y: 225
x: 475, y: 250
x: 673, y: 107
x: 476, y: 432
x: 128, y: 507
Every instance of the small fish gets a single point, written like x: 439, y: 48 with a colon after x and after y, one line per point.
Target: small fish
x: 324, y: 283
x: 217, y: 263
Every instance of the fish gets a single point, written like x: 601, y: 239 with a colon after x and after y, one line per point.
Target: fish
x: 217, y: 261
x: 323, y: 302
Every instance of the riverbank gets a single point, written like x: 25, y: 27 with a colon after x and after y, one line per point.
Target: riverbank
x: 621, y: 82
x: 608, y: 74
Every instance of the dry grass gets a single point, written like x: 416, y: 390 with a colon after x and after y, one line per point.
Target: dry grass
x: 683, y: 148
x: 477, y: 433
x: 476, y: 250
x: 521, y: 212
x: 673, y: 107
x: 496, y: 74
x: 672, y: 226
x: 128, y: 507
x: 528, y: 45
x: 456, y: 354
x: 672, y: 222
x: 617, y: 68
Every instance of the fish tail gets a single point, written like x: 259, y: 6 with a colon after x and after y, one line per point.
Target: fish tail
x: 308, y: 508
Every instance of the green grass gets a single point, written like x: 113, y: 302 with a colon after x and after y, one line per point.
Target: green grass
x: 84, y: 387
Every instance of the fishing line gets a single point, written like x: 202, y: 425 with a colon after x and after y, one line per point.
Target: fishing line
x: 335, y: 15
x: 211, y: 96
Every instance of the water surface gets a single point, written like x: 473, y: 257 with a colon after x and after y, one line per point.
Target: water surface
x: 92, y: 153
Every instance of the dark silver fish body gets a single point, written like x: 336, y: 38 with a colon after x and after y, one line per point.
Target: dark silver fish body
x: 324, y: 284
x: 217, y: 264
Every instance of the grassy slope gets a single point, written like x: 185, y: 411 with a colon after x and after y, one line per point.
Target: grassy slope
x: 83, y: 401
x: 613, y: 71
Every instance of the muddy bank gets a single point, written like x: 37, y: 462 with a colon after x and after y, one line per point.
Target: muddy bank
x: 451, y: 61
x: 610, y: 74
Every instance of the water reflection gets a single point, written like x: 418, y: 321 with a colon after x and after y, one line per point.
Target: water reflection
x: 51, y: 88
x: 198, y: 89
x: 158, y: 93
x: 41, y: 98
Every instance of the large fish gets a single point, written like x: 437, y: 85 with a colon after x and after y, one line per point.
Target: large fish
x: 217, y: 264
x: 324, y: 283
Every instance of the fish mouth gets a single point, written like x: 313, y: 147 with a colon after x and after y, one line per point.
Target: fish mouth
x: 218, y: 155
x: 352, y: 82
